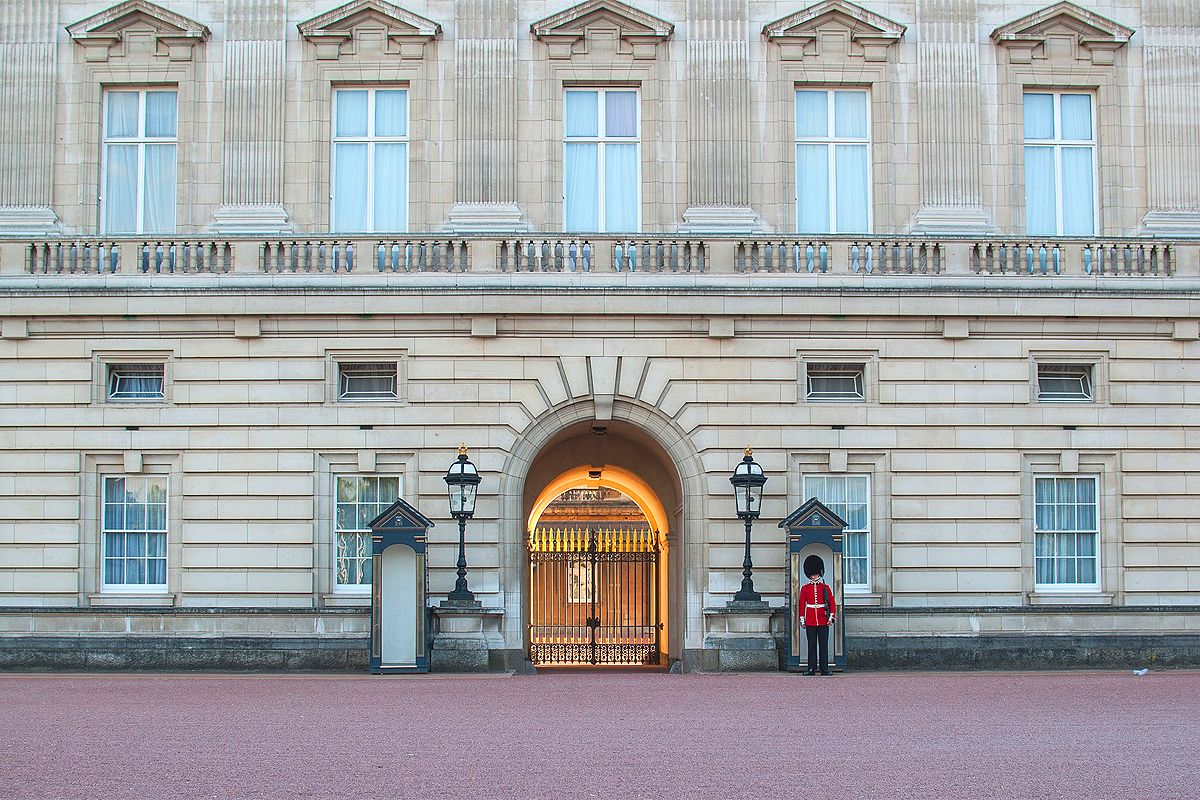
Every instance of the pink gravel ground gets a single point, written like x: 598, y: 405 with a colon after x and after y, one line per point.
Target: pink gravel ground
x: 601, y: 735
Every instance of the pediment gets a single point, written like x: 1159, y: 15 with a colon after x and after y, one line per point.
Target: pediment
x: 813, y: 514
x: 369, y: 25
x: 118, y: 30
x: 400, y: 516
x: 1062, y: 31
x: 834, y: 28
x: 629, y: 31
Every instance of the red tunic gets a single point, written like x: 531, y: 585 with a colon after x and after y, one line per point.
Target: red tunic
x: 813, y: 605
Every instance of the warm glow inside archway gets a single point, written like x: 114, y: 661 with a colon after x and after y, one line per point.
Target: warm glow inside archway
x: 611, y: 477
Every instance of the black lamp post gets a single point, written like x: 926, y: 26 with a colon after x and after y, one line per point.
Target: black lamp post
x: 462, y: 483
x: 748, y: 480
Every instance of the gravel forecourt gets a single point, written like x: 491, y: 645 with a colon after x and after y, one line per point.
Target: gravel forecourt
x: 606, y: 735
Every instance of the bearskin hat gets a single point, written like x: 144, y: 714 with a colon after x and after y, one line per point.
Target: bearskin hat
x: 814, y: 565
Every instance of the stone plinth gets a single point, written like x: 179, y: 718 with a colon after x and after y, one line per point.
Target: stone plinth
x: 468, y: 638
x: 738, y: 638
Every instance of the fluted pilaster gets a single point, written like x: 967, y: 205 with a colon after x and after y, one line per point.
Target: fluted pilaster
x: 1172, y: 75
x: 719, y: 95
x: 485, y: 79
x: 255, y: 61
x: 28, y: 73
x: 948, y: 99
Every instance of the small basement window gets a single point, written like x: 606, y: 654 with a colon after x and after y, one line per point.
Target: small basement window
x: 835, y: 382
x: 136, y: 382
x: 1064, y: 382
x: 367, y: 381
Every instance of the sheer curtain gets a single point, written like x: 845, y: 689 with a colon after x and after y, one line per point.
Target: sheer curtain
x: 391, y: 187
x: 851, y: 160
x: 620, y: 113
x: 1041, y: 199
x: 120, y: 188
x: 158, y: 197
x: 812, y: 188
x: 581, y: 179
x: 350, y: 188
x: 620, y: 187
x: 391, y: 112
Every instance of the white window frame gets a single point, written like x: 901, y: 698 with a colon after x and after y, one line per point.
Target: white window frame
x: 602, y: 140
x: 843, y: 366
x: 134, y: 588
x: 115, y: 367
x: 355, y: 588
x: 141, y: 140
x: 1058, y: 143
x: 862, y: 588
x: 1087, y: 397
x: 342, y: 397
x: 831, y: 141
x: 1052, y: 588
x: 370, y: 140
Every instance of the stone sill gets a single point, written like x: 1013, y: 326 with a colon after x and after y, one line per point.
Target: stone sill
x: 858, y: 599
x: 116, y: 600
x: 232, y: 611
x: 1070, y: 598
x: 346, y: 600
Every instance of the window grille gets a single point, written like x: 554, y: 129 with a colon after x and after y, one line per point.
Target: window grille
x: 835, y: 382
x: 1064, y: 382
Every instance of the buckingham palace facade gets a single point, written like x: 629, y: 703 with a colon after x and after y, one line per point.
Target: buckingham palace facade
x: 265, y: 265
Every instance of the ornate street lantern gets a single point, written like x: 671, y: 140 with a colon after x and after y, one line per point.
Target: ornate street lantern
x: 748, y: 480
x: 462, y: 484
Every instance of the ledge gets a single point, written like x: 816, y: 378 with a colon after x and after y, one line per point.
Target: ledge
x: 123, y: 601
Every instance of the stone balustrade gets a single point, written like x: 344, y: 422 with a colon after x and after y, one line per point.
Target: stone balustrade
x: 658, y: 254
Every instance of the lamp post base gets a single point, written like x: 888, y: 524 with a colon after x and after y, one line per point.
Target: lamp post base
x: 747, y: 596
x: 457, y: 599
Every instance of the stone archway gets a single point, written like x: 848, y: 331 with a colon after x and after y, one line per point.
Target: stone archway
x: 638, y: 441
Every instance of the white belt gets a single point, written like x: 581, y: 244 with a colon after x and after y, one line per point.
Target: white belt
x: 816, y: 605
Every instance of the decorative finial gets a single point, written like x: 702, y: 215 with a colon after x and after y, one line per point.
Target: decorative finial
x: 462, y: 449
x: 749, y: 451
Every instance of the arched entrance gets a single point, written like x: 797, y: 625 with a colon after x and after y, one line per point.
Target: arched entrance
x: 598, y: 583
x: 645, y: 459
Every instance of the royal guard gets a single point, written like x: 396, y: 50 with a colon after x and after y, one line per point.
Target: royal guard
x: 816, y: 612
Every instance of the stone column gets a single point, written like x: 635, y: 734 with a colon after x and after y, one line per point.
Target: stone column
x: 1172, y: 75
x: 949, y: 104
x: 255, y: 61
x: 719, y: 122
x: 485, y: 81
x: 28, y: 77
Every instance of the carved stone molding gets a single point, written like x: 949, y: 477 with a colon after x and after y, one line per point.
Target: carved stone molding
x: 369, y: 25
x: 834, y: 28
x: 120, y: 30
x: 1062, y: 32
x: 602, y: 23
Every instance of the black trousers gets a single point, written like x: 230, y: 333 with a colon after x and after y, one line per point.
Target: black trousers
x: 818, y: 640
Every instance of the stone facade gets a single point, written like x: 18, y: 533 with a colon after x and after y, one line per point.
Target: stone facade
x: 546, y: 351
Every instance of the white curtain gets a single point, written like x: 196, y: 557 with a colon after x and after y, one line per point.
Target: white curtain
x: 1076, y: 111
x: 351, y: 113
x: 120, y: 189
x: 850, y: 114
x: 391, y: 112
x: 121, y: 115
x: 582, y: 187
x: 391, y: 187
x: 1078, y: 190
x: 812, y: 188
x: 160, y: 114
x: 620, y: 187
x: 812, y: 114
x: 852, y: 189
x: 582, y: 114
x: 158, y: 215
x: 1039, y: 116
x: 1041, y: 201
x: 620, y: 113
x: 350, y: 188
